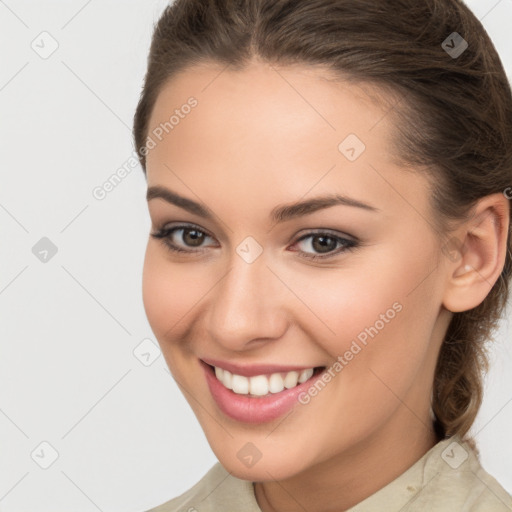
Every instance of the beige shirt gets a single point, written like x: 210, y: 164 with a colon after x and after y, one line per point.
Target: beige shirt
x: 448, y: 478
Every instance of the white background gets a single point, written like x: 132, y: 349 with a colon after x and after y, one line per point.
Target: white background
x: 125, y: 437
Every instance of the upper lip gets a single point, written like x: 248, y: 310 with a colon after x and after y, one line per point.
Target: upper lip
x: 250, y: 370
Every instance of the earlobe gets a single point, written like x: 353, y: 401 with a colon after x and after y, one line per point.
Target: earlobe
x: 482, y: 241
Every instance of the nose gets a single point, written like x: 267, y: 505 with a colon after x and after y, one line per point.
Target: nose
x: 247, y: 306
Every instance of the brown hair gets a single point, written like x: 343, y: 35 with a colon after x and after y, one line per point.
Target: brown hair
x: 454, y: 118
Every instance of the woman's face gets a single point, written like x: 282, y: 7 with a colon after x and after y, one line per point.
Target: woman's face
x: 246, y: 293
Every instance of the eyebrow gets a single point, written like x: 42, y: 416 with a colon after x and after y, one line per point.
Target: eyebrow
x: 281, y: 213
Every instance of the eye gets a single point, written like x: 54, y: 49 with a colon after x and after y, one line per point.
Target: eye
x: 189, y: 239
x: 325, y: 243
x: 178, y: 238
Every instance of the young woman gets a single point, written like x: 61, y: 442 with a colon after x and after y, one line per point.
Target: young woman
x: 329, y: 186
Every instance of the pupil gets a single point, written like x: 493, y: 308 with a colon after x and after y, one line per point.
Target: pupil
x: 197, y: 238
x: 323, y: 245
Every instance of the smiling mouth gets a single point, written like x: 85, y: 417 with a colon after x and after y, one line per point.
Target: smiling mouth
x: 264, y: 385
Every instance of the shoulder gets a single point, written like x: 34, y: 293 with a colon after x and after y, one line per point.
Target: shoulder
x: 488, y: 495
x: 448, y: 478
x: 461, y: 483
x: 217, y: 490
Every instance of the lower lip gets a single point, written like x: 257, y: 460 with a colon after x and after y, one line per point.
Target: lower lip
x: 253, y: 409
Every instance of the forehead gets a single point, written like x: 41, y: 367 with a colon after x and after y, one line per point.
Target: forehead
x: 267, y: 129
x: 279, y: 108
x: 274, y: 95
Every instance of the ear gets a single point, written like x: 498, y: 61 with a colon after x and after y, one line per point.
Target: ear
x: 476, y: 254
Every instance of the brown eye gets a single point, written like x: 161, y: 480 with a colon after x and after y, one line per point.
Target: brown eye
x: 182, y: 238
x: 324, y: 244
x: 193, y: 237
x: 320, y: 245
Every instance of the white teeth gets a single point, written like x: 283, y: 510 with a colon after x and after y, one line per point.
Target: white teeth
x: 261, y: 385
x: 290, y: 381
x: 240, y: 384
x: 305, y: 375
x: 258, y: 385
x: 227, y: 379
x: 276, y: 383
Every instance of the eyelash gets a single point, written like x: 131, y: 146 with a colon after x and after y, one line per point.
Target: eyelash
x: 164, y: 234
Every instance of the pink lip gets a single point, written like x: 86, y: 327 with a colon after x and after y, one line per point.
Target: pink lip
x: 253, y: 409
x: 254, y: 369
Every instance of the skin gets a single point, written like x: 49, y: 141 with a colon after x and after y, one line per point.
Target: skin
x: 268, y: 136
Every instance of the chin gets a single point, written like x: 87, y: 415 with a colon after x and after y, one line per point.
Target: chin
x: 277, y: 467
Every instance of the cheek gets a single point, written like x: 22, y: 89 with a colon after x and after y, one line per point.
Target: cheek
x: 380, y: 314
x: 169, y: 292
x: 382, y: 332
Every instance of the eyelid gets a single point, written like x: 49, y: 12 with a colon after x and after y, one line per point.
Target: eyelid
x: 166, y: 229
x: 326, y: 231
x: 169, y: 226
